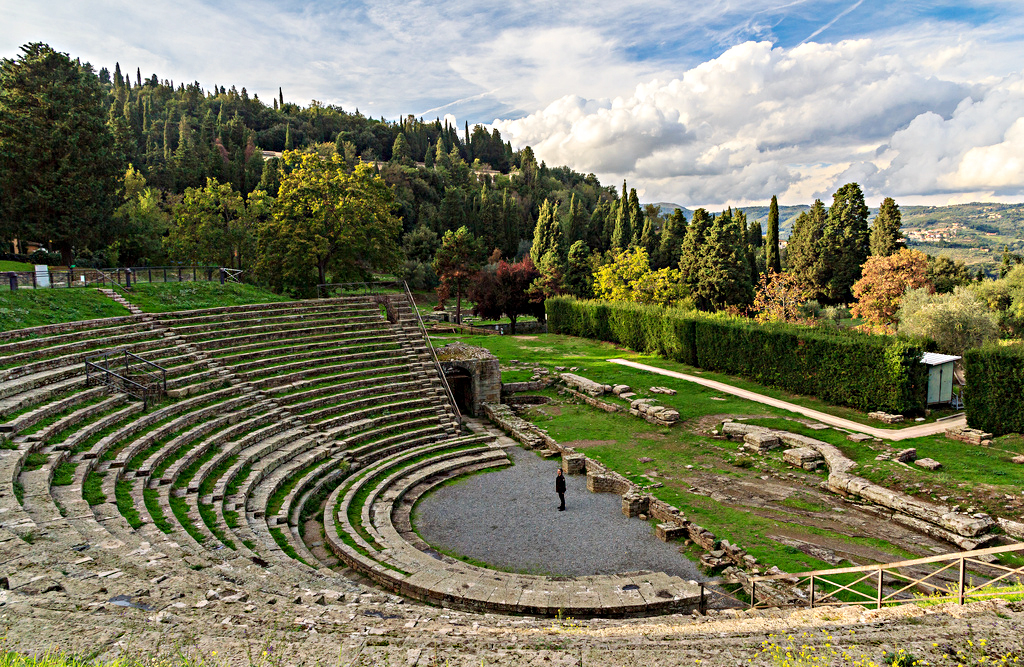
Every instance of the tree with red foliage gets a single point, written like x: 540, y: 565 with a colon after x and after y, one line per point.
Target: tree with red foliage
x: 884, y: 281
x: 502, y: 290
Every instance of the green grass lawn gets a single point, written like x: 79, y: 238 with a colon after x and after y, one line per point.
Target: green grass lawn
x: 167, y: 297
x: 31, y: 308
x: 7, y: 265
x: 971, y: 476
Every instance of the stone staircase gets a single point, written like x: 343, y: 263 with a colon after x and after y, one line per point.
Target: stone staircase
x: 111, y: 294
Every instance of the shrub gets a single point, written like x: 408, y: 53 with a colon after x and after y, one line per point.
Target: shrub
x: 846, y: 368
x: 995, y: 383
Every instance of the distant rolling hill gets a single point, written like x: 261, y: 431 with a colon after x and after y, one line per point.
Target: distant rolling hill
x: 974, y: 233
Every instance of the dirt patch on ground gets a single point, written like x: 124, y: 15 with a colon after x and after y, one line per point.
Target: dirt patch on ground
x: 650, y: 436
x: 583, y: 444
x: 526, y: 337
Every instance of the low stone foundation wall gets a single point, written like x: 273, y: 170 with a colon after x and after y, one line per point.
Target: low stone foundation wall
x: 508, y: 388
x: 593, y: 402
x: 971, y: 436
x: 934, y: 520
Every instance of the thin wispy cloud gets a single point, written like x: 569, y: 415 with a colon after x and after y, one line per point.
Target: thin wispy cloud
x: 833, y: 21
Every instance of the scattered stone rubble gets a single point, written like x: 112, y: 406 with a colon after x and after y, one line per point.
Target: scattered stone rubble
x: 663, y: 390
x: 971, y: 436
x: 966, y: 531
x: 584, y: 385
x: 886, y: 417
x: 653, y: 413
x: 928, y: 464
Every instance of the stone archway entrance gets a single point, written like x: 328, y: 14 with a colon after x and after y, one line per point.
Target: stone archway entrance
x: 461, y: 383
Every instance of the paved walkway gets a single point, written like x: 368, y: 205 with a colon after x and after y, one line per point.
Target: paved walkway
x: 510, y: 519
x: 885, y: 433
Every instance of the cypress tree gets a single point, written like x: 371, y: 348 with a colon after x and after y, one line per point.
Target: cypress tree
x: 547, y: 235
x: 622, y: 237
x: 693, y: 246
x: 772, y: 258
x: 280, y: 95
x: 648, y: 240
x: 670, y: 245
x: 288, y: 138
x: 846, y: 242
x: 886, y: 237
x: 635, y: 217
x: 804, y: 252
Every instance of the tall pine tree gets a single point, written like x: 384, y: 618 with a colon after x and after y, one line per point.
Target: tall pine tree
x: 846, y: 242
x: 804, y: 251
x: 547, y: 235
x: 670, y: 244
x: 622, y: 237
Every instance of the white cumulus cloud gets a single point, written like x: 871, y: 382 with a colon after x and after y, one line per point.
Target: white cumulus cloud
x: 761, y: 120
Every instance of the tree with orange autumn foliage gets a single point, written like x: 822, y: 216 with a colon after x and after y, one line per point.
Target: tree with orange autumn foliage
x: 884, y: 281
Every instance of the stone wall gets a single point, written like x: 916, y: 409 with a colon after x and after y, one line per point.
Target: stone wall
x: 483, y: 368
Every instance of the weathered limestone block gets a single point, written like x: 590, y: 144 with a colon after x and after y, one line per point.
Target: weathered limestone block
x: 1018, y: 459
x: 663, y: 390
x: 669, y: 531
x: 971, y: 436
x: 859, y: 437
x: 834, y: 458
x: 938, y: 515
x: 802, y: 457
x: 928, y: 464
x: 886, y: 417
x: 703, y: 537
x: 906, y: 455
x: 736, y: 430
x: 761, y: 442
x: 574, y: 464
x: 1012, y: 528
x: 620, y: 389
x: 515, y: 426
x: 635, y: 504
x: 583, y: 384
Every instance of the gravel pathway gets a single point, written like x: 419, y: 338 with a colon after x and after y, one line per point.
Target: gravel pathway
x: 510, y: 519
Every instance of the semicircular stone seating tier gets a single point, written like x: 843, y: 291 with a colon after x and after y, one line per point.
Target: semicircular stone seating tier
x: 269, y: 410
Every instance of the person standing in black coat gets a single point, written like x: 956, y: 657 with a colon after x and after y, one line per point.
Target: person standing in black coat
x: 560, y: 489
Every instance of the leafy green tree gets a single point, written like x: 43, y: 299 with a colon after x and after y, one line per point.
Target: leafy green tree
x: 579, y: 275
x: 141, y: 224
x: 956, y: 321
x: 547, y: 234
x: 59, y: 168
x: 779, y: 297
x: 328, y: 224
x: 670, y: 243
x: 456, y: 262
x: 772, y: 259
x: 549, y: 283
x: 886, y: 237
x: 629, y: 278
x: 804, y: 252
x: 946, y: 274
x: 845, y: 243
x: 1010, y: 260
x: 211, y: 226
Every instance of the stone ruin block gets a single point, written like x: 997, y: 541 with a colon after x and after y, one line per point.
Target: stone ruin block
x: 971, y: 436
x: 886, y: 417
x: 663, y: 390
x: 906, y: 455
x: 669, y: 531
x: 760, y: 442
x: 702, y: 537
x: 802, y: 457
x: 859, y: 437
x: 574, y: 464
x: 620, y: 389
x: 584, y: 385
x: 635, y: 504
x: 736, y: 430
x: 655, y: 414
x: 1018, y: 459
x: 928, y: 464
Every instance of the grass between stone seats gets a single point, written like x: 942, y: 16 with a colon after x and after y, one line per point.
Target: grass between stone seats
x: 38, y: 307
x: 167, y: 297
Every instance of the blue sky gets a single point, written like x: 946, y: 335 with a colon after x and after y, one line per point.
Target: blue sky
x: 710, y: 103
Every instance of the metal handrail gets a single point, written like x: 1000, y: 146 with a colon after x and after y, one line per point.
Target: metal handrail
x: 101, y: 364
x: 433, y: 354
x: 401, y: 286
x: 875, y: 574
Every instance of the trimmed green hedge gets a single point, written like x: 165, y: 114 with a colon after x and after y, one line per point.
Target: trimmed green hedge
x: 994, y: 394
x: 844, y: 368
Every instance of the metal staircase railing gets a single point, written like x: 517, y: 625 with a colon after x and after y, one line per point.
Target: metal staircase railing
x: 127, y: 372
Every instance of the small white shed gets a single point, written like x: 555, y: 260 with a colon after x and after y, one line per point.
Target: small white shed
x: 941, y: 368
